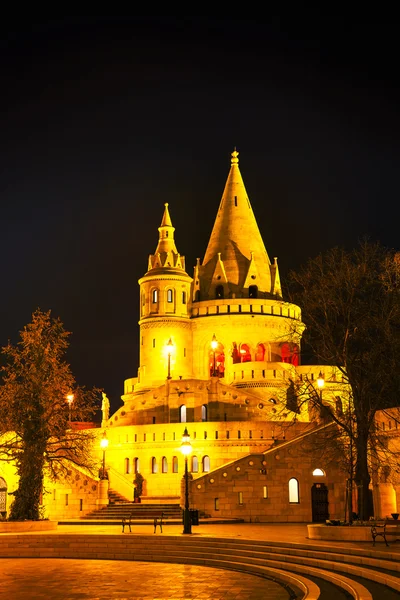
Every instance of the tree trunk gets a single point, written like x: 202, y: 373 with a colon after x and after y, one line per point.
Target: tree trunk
x: 26, y: 505
x: 362, y: 476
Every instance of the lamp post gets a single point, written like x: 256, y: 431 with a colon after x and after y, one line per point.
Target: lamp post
x: 170, y: 347
x: 214, y: 346
x: 70, y: 398
x: 186, y: 448
x: 104, y: 446
x: 320, y: 384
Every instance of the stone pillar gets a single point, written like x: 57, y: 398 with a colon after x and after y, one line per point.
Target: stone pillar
x: 386, y: 499
x: 102, y: 499
x: 397, y: 492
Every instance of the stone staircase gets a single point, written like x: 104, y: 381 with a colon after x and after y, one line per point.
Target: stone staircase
x: 304, y: 570
x: 138, y: 512
x: 116, y: 498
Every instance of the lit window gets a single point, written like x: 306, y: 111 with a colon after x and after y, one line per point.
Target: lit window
x: 182, y: 414
x: 265, y: 492
x: 240, y: 497
x: 293, y: 491
x: 170, y: 296
x: 206, y: 464
x: 195, y: 464
x: 204, y: 413
x: 318, y: 472
x: 155, y: 296
x: 154, y: 468
x: 164, y: 465
x: 174, y: 464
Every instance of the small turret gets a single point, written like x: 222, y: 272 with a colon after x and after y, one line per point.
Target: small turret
x: 166, y: 255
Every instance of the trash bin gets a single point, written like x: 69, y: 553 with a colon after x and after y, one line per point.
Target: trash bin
x: 194, y: 516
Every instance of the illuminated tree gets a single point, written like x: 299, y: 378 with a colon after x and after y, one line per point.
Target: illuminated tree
x: 350, y: 304
x: 35, y: 430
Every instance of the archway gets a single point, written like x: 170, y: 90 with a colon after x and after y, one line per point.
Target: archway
x: 245, y: 353
x: 260, y: 352
x: 219, y: 361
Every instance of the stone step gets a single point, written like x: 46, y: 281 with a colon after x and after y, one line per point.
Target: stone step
x: 137, y: 511
x: 293, y: 563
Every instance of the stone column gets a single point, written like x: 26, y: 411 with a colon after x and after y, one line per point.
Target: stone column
x: 102, y: 499
x: 385, y: 496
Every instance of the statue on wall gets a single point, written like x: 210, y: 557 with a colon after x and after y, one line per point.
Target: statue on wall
x: 105, y: 407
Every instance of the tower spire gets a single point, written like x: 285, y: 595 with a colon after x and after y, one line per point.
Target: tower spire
x: 166, y: 255
x: 236, y: 242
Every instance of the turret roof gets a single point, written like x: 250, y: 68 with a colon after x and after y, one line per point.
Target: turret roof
x: 236, y: 242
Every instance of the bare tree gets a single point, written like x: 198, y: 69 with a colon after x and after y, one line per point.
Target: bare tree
x: 350, y: 304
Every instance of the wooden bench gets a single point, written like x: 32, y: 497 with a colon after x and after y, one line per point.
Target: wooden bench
x: 379, y: 529
x: 127, y: 521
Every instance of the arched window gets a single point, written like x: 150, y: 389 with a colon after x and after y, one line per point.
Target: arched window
x: 195, y: 464
x: 260, y: 352
x: 219, y: 291
x: 127, y: 466
x: 182, y: 414
x: 253, y: 291
x: 294, y: 497
x: 164, y: 465
x: 290, y: 353
x: 170, y: 295
x: 204, y: 413
x: 174, y: 464
x: 154, y: 296
x: 154, y: 468
x: 206, y: 464
x: 136, y: 465
x: 245, y: 353
x: 318, y: 473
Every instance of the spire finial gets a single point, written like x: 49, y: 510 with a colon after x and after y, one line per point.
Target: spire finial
x: 234, y: 159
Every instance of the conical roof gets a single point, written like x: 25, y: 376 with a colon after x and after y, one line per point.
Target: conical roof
x: 166, y: 256
x: 236, y: 241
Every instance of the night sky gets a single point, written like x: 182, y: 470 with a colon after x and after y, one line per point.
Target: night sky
x: 104, y: 119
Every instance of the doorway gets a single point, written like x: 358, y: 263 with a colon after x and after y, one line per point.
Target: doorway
x: 319, y: 503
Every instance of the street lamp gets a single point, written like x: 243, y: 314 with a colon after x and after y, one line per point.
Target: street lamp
x: 186, y: 448
x: 104, y: 446
x: 320, y: 384
x: 170, y: 347
x: 214, y: 346
x: 70, y: 398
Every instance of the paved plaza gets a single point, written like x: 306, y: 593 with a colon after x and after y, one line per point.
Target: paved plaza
x: 73, y: 579
x: 61, y: 579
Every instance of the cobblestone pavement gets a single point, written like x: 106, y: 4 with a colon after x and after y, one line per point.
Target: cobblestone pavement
x: 70, y: 579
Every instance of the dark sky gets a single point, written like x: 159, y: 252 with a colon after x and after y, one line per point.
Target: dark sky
x: 104, y: 119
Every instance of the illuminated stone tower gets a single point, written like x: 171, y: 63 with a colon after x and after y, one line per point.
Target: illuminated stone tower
x: 164, y: 312
x: 237, y: 297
